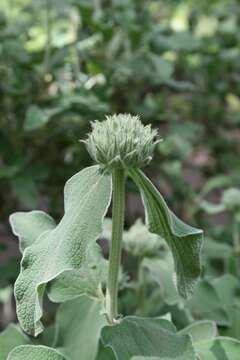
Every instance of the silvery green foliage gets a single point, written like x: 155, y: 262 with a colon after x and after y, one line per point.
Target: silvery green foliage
x: 213, y: 349
x: 121, y: 141
x: 67, y: 247
x: 31, y: 352
x: 207, y: 345
x: 78, y: 326
x: 84, y: 281
x: 148, y: 337
x: 67, y: 259
x: 161, y: 271
x: 200, y: 331
x: 184, y: 241
x: 10, y: 338
x: 29, y: 225
x: 139, y: 242
x: 156, y: 338
x: 231, y: 199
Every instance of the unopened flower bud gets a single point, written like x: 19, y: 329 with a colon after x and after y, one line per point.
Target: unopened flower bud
x: 121, y: 141
x: 139, y: 242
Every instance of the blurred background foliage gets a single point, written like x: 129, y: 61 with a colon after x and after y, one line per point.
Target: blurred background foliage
x: 64, y: 63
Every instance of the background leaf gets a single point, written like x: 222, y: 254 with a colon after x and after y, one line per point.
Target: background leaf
x: 206, y: 304
x: 161, y: 270
x: 11, y: 337
x: 78, y: 327
x: 35, y: 118
x: 219, y: 348
x: 200, y: 330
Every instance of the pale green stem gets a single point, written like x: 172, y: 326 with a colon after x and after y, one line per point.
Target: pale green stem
x: 118, y: 207
x: 236, y: 236
x: 141, y: 293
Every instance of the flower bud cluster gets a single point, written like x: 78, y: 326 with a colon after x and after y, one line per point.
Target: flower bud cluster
x: 121, y: 141
x: 139, y: 242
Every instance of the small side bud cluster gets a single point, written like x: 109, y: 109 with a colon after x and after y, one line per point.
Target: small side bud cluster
x: 139, y: 242
x: 231, y: 199
x: 121, y: 141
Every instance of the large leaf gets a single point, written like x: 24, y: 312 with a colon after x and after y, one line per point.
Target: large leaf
x: 85, y: 281
x: 31, y: 352
x: 28, y: 226
x: 184, y: 241
x: 147, y: 337
x: 78, y: 327
x: 10, y: 338
x: 87, y: 196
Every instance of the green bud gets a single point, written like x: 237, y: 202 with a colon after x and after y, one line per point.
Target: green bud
x: 231, y: 199
x: 121, y: 141
x: 139, y: 242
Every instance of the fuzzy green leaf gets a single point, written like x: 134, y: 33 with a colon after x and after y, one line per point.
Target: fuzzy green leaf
x: 28, y: 226
x: 10, y: 338
x: 105, y: 353
x: 184, y: 241
x: 161, y: 271
x: 147, y: 337
x: 31, y: 352
x: 85, y: 281
x: 78, y: 327
x: 226, y: 287
x: 200, y: 331
x: 207, y: 304
x: 218, y: 348
x: 87, y: 196
x: 207, y: 345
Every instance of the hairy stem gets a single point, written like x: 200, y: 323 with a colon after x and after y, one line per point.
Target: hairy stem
x: 118, y: 206
x: 236, y: 236
x: 141, y: 288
